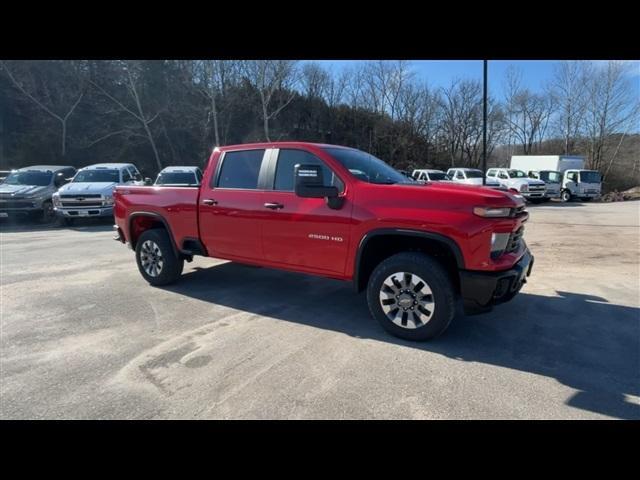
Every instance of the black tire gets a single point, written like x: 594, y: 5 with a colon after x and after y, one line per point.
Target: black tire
x: 170, y: 269
x: 48, y: 214
x: 436, y: 278
x: 565, y: 196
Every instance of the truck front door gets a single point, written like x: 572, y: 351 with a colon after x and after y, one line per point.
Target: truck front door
x: 231, y: 206
x: 303, y: 233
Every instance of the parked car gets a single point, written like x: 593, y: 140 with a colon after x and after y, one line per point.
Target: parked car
x: 28, y: 191
x: 426, y: 175
x: 471, y: 176
x: 552, y: 180
x: 577, y: 182
x: 298, y: 206
x: 518, y: 181
x: 179, y: 177
x: 90, y: 193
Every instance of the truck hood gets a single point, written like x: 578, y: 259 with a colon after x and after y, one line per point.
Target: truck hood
x: 476, y: 181
x: 456, y: 192
x: 18, y: 191
x: 89, y: 187
x: 524, y: 181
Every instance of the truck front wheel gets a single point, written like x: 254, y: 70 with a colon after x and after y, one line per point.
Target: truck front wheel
x: 411, y: 295
x: 156, y: 259
x: 565, y: 196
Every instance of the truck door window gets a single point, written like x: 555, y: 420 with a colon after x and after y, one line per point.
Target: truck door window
x: 459, y: 175
x: 572, y: 176
x: 240, y: 169
x: 287, y: 160
x: 126, y: 175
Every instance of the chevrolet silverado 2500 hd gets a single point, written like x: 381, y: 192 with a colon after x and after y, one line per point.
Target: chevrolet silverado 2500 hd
x: 341, y: 213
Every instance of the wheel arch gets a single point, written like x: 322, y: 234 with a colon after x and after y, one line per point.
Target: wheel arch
x: 139, y: 222
x: 374, y: 247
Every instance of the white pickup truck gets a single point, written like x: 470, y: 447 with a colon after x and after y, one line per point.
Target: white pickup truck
x: 518, y: 181
x: 90, y: 193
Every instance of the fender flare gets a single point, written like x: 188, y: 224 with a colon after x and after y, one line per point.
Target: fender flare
x: 447, y: 241
x: 155, y: 216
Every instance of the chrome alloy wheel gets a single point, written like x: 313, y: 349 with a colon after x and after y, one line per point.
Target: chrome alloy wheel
x: 407, y: 300
x: 151, y: 258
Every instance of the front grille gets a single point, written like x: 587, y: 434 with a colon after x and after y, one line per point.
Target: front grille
x: 536, y: 188
x: 514, y: 240
x: 15, y: 204
x: 76, y: 196
x: 82, y: 204
x: 91, y: 200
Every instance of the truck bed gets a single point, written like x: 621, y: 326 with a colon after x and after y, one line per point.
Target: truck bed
x: 177, y: 205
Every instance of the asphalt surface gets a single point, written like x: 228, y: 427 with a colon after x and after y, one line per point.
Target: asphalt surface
x: 83, y: 335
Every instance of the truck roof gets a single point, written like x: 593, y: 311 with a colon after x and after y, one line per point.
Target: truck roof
x: 114, y: 166
x: 45, y: 168
x: 280, y: 145
x: 177, y: 168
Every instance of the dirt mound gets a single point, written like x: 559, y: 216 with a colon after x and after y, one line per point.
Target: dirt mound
x: 615, y: 196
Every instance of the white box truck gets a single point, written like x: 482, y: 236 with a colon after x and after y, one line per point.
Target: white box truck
x: 565, y: 175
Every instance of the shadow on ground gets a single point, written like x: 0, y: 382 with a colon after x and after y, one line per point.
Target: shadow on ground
x: 19, y: 224
x: 582, y: 341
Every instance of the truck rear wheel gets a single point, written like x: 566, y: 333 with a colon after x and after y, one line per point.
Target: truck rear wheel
x: 411, y: 295
x: 156, y: 259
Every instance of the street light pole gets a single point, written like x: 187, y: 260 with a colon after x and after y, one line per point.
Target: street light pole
x: 484, y: 126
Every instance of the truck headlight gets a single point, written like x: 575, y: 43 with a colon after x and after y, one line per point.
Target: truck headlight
x: 499, y: 243
x: 108, y: 199
x: 492, y: 212
x: 56, y: 200
x: 524, y: 187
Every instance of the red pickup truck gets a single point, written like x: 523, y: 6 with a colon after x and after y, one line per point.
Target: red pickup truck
x: 341, y: 213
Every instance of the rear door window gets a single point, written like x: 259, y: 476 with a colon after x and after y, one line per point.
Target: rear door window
x: 240, y: 169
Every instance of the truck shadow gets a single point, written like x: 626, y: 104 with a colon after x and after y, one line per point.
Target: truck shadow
x: 580, y: 340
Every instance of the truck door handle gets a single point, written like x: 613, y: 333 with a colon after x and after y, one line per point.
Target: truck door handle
x: 274, y: 206
x: 210, y: 201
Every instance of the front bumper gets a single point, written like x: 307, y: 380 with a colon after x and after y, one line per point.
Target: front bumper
x: 84, y: 212
x: 481, y: 290
x: 21, y: 211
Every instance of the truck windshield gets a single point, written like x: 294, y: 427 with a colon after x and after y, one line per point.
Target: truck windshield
x: 110, y: 176
x: 474, y: 174
x: 365, y: 166
x: 517, y: 174
x: 551, y: 177
x: 589, y: 176
x: 176, y: 178
x: 41, y: 179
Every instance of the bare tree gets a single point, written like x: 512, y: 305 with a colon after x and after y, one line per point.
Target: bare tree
x: 59, y: 104
x: 567, y: 89
x: 132, y: 80
x: 274, y: 80
x: 612, y: 106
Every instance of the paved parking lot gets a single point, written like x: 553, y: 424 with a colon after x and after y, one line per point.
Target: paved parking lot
x: 83, y: 336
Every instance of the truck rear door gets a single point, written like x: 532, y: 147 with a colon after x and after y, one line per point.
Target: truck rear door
x: 231, y: 206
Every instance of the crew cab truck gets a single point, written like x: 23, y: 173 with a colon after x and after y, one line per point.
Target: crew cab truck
x: 340, y: 213
x: 429, y: 175
x: 576, y: 182
x: 28, y: 191
x: 90, y: 193
x: 179, y: 177
x: 518, y: 181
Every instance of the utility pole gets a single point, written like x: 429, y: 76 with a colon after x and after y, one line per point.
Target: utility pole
x: 484, y: 126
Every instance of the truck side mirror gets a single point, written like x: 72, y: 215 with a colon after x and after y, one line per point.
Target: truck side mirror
x: 309, y: 183
x: 60, y: 180
x: 148, y: 181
